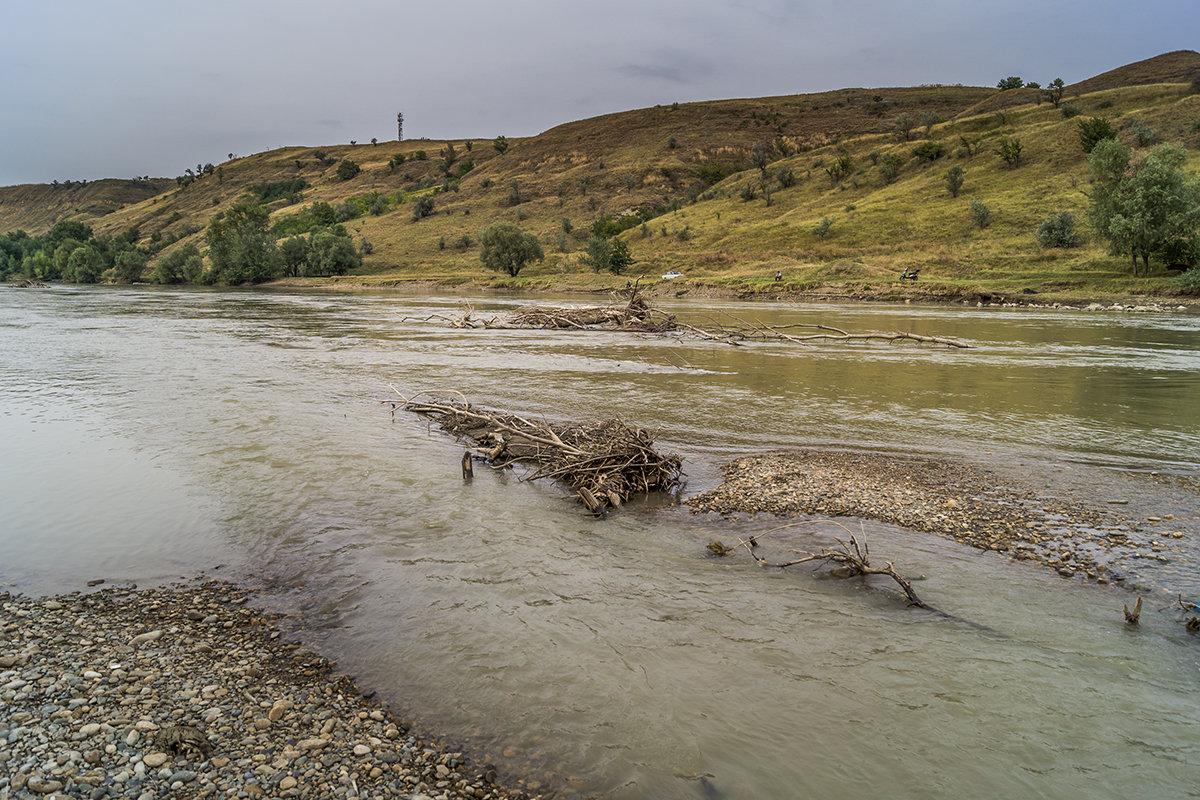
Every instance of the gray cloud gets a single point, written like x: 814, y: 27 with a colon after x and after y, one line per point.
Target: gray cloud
x: 126, y: 87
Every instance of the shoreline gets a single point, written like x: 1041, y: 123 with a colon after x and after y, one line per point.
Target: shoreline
x: 971, y: 504
x: 150, y: 693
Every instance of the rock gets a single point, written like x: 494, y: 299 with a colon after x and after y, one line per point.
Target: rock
x: 361, y: 750
x: 288, y: 783
x: 280, y: 708
x: 145, y: 638
x: 90, y: 728
x: 156, y: 759
x: 42, y: 785
x: 314, y: 743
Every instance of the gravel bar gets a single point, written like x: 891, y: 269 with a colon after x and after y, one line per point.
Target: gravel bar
x: 968, y: 503
x: 188, y: 691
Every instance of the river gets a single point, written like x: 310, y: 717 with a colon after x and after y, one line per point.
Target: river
x: 156, y: 434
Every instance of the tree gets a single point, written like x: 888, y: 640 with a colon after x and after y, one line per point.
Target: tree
x: 1094, y: 130
x: 954, y: 180
x: 241, y: 248
x: 1054, y: 92
x: 981, y: 215
x: 1009, y: 151
x: 904, y: 124
x: 84, y: 265
x: 501, y: 144
x: 331, y: 252
x: 183, y: 264
x: 1011, y: 82
x: 347, y: 169
x: 1151, y: 210
x: 506, y: 248
x: 129, y: 266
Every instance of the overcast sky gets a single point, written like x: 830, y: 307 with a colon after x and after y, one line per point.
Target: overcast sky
x: 118, y: 88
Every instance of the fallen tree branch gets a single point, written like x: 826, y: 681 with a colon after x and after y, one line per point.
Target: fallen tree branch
x: 606, y: 463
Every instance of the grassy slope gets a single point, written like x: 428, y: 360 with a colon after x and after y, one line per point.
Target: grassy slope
x: 628, y: 162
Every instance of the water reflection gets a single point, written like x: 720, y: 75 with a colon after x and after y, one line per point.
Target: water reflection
x: 164, y: 432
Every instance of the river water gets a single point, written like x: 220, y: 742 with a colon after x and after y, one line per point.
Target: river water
x: 150, y: 435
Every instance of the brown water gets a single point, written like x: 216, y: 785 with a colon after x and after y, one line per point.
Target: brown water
x: 149, y: 435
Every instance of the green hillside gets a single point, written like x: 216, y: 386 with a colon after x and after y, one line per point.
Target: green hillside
x: 824, y: 188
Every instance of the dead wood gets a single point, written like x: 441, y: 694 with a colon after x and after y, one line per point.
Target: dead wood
x: 607, y: 463
x: 1132, y: 617
x: 636, y: 315
x: 856, y: 559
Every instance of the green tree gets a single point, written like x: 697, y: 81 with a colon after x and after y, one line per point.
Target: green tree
x: 903, y: 125
x: 619, y: 259
x: 1009, y: 150
x: 423, y: 207
x: 331, y: 252
x: 1054, y: 92
x: 84, y: 265
x: 1011, y: 82
x: 182, y: 264
x: 293, y: 255
x: 506, y: 248
x: 1094, y: 130
x: 981, y: 215
x: 129, y: 265
x: 954, y: 180
x: 500, y: 143
x: 1148, y: 211
x: 241, y: 249
x: 348, y: 169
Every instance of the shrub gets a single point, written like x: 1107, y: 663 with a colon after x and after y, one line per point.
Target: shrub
x: 1189, y: 281
x: 929, y: 150
x: 787, y: 178
x: 890, y: 168
x: 1011, y: 82
x: 1104, y: 104
x: 1069, y: 110
x: 514, y: 194
x: 1143, y: 134
x: 486, y: 183
x: 1058, y: 231
x: 347, y: 169
x: 422, y: 208
x: 500, y: 143
x: 748, y: 192
x: 672, y: 143
x: 1009, y: 150
x: 981, y: 215
x: 954, y: 180
x: 903, y: 125
x: 822, y: 227
x: 1094, y: 130
x: 268, y: 192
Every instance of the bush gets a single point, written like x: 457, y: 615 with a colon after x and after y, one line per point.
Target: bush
x: 500, y: 143
x: 1009, y: 151
x: 1189, y: 281
x: 348, y: 169
x: 1069, y: 110
x: 1011, y: 82
x: 929, y: 150
x: 1143, y: 134
x: 748, y: 192
x: 269, y: 192
x: 1094, y: 130
x: 129, y: 266
x: 514, y: 194
x: 954, y: 180
x: 981, y: 215
x: 1058, y: 231
x: 890, y: 168
x: 422, y: 208
x: 822, y: 227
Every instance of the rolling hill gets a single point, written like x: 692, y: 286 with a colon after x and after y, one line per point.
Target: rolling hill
x: 829, y: 189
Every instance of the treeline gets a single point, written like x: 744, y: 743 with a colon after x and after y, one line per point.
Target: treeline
x: 242, y: 248
x: 70, y: 252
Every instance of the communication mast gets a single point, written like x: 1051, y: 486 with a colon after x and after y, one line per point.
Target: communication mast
x: 399, y: 127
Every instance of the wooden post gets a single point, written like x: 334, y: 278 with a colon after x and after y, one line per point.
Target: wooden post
x: 468, y: 471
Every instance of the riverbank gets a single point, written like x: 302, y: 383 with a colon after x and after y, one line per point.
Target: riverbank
x: 762, y: 290
x: 970, y: 504
x: 189, y: 691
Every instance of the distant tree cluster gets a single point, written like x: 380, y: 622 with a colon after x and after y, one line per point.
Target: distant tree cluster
x: 70, y: 252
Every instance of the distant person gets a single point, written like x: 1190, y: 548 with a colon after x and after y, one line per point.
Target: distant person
x: 779, y: 276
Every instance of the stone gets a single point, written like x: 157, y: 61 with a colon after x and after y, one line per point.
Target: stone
x: 156, y: 759
x: 90, y: 728
x: 43, y: 786
x: 361, y: 750
x: 145, y: 638
x: 314, y: 743
x: 288, y: 783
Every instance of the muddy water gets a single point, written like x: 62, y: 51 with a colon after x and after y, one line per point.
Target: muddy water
x: 154, y: 434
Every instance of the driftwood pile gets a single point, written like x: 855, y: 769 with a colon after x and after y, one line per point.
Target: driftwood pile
x: 636, y: 315
x: 607, y: 463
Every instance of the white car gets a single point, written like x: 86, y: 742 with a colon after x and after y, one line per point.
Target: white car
x: 672, y: 275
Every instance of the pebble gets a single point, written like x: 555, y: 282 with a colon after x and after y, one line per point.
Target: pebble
x: 86, y: 701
